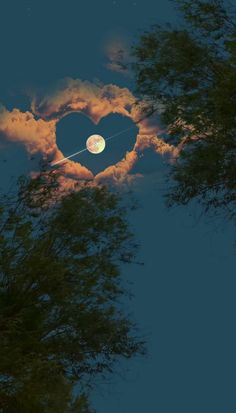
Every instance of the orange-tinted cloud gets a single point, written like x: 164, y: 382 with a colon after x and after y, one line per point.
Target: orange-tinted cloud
x: 38, y: 136
x: 35, y: 135
x: 152, y: 141
x: 119, y: 173
x: 37, y: 130
x: 75, y: 170
x: 74, y: 95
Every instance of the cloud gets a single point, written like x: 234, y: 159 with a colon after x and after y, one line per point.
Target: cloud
x: 35, y: 135
x: 75, y: 170
x: 38, y: 136
x: 119, y: 173
x: 152, y: 141
x: 36, y: 130
x: 75, y: 95
x: 117, y: 51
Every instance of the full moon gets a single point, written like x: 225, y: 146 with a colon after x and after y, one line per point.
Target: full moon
x: 95, y: 144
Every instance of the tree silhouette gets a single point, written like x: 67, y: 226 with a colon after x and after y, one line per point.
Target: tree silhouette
x: 61, y: 320
x: 191, y: 71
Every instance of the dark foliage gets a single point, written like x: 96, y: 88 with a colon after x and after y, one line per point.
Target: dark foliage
x: 60, y: 317
x: 191, y: 72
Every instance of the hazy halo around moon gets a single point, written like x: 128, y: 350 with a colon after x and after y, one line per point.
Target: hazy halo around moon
x: 95, y: 144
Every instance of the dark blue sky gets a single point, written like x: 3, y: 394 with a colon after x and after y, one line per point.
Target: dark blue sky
x: 185, y: 294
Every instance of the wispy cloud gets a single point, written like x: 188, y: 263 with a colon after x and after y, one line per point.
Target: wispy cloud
x: 117, y: 51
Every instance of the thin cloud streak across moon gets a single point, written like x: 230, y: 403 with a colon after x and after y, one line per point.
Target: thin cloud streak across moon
x: 85, y: 149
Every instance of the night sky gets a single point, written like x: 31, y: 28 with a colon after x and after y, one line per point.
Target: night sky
x: 184, y: 299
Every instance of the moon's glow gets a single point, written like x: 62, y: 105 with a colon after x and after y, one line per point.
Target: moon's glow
x: 95, y: 144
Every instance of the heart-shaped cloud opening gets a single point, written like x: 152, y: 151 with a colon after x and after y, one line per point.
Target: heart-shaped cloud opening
x: 36, y: 130
x: 74, y: 129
